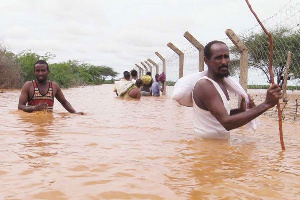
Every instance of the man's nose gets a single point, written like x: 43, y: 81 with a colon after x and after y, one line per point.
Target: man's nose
x: 225, y: 61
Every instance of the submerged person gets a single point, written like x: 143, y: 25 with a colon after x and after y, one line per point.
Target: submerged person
x: 134, y: 75
x: 134, y: 91
x: 123, y: 84
x: 38, y: 95
x: 213, y: 118
x: 147, y: 83
x: 156, y: 88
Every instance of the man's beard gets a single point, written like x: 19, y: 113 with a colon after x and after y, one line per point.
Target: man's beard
x: 225, y: 74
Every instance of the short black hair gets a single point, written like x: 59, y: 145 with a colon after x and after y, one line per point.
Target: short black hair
x: 148, y: 73
x: 133, y: 73
x: 156, y: 77
x: 126, y: 75
x: 139, y: 82
x: 41, y: 62
x: 207, y: 52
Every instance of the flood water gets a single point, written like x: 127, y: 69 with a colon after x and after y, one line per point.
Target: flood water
x: 138, y: 150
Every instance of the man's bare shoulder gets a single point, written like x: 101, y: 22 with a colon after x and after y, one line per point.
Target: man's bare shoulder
x: 27, y: 85
x: 55, y: 85
x: 134, y: 92
x: 203, y: 85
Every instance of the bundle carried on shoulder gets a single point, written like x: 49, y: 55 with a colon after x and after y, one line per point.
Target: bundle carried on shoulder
x: 123, y: 86
x: 162, y: 77
x: 146, y: 79
x: 183, y: 90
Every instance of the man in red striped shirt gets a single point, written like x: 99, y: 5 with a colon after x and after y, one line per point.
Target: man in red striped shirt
x: 38, y: 95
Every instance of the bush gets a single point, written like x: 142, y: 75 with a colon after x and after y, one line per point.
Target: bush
x: 9, y: 70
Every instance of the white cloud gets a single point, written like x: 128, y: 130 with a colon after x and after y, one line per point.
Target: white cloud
x: 120, y: 33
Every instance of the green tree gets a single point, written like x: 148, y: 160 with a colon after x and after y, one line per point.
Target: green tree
x: 284, y: 40
x: 95, y: 73
x: 108, y: 72
x: 65, y: 73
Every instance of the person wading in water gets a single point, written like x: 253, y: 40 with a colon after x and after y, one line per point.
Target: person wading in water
x: 38, y: 95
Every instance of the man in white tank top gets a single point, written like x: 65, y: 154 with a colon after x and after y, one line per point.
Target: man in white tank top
x: 213, y: 118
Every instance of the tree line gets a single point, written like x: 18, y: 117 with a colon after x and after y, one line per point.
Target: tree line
x: 284, y: 40
x: 16, y: 69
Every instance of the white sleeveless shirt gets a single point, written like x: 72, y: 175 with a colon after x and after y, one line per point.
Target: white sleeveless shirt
x: 206, y: 126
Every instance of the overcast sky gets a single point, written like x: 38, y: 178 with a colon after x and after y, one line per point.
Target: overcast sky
x: 120, y: 33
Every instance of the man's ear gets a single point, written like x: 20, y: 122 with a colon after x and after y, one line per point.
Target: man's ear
x: 206, y: 60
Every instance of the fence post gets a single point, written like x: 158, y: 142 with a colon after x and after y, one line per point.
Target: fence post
x: 198, y: 46
x: 150, y: 67
x: 145, y: 67
x: 244, y: 57
x: 181, y: 57
x: 141, y: 71
x: 155, y: 64
x: 164, y: 70
x: 286, y: 74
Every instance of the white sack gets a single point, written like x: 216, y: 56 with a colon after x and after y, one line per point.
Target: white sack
x: 183, y: 89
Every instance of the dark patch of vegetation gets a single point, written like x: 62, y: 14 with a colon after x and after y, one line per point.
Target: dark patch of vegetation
x: 16, y: 69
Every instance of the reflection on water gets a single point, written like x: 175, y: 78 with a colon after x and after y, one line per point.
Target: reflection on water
x: 137, y: 150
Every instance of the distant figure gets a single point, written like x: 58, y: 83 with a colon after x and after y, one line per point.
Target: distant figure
x: 147, y: 83
x: 134, y: 75
x: 134, y: 91
x: 213, y: 117
x: 126, y: 75
x: 156, y: 88
x: 39, y: 94
x: 121, y: 86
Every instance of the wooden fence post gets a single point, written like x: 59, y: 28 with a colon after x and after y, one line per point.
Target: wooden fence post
x: 181, y: 57
x: 286, y: 74
x: 155, y: 64
x: 244, y: 57
x: 198, y: 46
x: 164, y: 70
x: 141, y: 71
x: 145, y: 67
x: 150, y: 66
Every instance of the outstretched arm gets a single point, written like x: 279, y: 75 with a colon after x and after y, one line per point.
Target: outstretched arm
x: 24, y: 97
x: 61, y: 98
x: 243, y: 106
x: 207, y: 98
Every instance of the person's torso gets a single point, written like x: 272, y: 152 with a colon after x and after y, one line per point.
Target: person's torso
x: 155, y: 89
x: 206, y: 126
x: 39, y: 97
x: 146, y: 88
x: 126, y: 94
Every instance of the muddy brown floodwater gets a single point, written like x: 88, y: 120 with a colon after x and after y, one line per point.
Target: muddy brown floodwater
x: 138, y: 150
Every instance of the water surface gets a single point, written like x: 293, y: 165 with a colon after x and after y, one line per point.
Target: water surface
x: 138, y: 150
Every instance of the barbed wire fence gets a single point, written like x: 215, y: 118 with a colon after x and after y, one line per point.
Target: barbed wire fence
x: 285, y: 29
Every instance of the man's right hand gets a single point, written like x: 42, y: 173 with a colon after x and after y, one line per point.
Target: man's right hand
x: 40, y: 107
x: 273, y: 95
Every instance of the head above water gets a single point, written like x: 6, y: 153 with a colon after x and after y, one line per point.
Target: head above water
x: 139, y: 83
x: 133, y: 73
x: 126, y: 75
x: 207, y: 48
x: 40, y: 62
x: 156, y: 77
x: 216, y: 57
x: 41, y: 70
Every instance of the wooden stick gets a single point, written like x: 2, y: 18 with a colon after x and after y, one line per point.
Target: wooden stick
x: 271, y: 73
